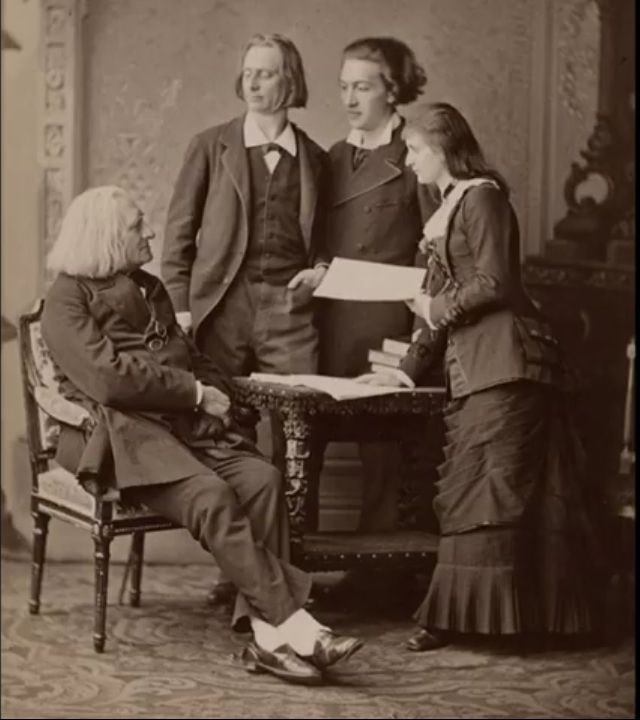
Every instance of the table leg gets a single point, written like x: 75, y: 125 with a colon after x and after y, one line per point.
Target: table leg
x: 297, y: 433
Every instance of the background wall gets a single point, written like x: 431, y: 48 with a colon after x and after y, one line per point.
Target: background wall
x: 21, y: 246
x: 156, y: 71
x: 159, y: 71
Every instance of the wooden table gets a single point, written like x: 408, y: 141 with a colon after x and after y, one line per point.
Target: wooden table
x: 309, y: 414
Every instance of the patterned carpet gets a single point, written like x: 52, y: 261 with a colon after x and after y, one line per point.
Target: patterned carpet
x: 173, y: 658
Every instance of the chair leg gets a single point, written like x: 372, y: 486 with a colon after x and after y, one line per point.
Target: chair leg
x: 40, y: 532
x: 102, y: 549
x: 137, y: 558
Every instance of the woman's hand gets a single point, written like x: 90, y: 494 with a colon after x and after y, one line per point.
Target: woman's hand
x: 380, y: 378
x: 419, y: 306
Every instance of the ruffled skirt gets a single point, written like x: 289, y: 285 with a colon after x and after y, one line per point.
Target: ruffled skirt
x: 518, y: 552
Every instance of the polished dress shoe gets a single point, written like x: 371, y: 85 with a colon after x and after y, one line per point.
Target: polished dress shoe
x: 281, y: 662
x: 330, y: 647
x: 223, y: 593
x: 423, y: 640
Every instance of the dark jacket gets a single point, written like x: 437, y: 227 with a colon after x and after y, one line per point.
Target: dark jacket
x: 143, y: 400
x: 376, y: 214
x: 485, y: 320
x: 207, y: 229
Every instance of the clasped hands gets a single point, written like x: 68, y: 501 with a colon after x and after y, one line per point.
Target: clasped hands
x: 215, y: 402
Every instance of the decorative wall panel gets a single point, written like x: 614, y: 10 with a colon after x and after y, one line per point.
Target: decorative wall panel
x: 573, y: 98
x: 58, y: 141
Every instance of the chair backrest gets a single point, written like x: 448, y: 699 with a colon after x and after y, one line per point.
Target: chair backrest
x: 38, y: 375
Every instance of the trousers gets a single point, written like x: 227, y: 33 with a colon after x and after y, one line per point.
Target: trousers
x: 237, y: 513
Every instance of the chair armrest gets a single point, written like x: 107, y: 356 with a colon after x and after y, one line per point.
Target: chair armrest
x: 59, y: 408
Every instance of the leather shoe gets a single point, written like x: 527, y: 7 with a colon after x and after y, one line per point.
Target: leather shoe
x: 281, y: 662
x: 423, y: 640
x: 330, y: 647
x: 223, y: 593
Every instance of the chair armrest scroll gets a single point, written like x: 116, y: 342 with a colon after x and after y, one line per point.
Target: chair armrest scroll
x: 59, y: 408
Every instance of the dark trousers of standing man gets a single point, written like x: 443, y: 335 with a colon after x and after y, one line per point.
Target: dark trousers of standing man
x: 260, y: 327
x: 381, y: 470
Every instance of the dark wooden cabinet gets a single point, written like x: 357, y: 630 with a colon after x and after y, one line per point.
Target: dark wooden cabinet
x: 591, y: 307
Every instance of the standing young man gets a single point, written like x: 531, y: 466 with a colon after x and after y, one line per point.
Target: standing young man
x: 242, y: 249
x: 376, y: 212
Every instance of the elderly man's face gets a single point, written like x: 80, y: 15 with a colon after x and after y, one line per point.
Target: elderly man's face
x: 137, y: 236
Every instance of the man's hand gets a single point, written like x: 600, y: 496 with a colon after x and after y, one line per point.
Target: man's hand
x: 310, y: 278
x: 380, y: 378
x: 184, y: 320
x: 215, y: 402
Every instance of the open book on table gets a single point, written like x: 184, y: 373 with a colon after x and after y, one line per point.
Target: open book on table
x: 339, y: 388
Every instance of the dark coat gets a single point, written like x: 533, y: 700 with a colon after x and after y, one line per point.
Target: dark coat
x: 211, y: 203
x: 143, y: 400
x: 375, y: 213
x: 485, y: 318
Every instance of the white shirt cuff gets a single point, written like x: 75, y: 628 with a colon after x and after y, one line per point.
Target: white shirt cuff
x: 183, y: 318
x: 199, y: 393
x: 425, y: 307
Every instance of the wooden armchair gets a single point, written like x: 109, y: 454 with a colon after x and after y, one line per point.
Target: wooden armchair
x: 56, y: 493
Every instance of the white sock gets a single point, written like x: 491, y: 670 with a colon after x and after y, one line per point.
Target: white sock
x: 300, y: 631
x: 266, y: 636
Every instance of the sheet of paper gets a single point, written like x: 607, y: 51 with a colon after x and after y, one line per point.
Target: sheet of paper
x: 339, y: 388
x: 362, y: 280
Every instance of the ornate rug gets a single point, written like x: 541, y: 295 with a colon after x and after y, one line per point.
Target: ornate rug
x: 174, y: 658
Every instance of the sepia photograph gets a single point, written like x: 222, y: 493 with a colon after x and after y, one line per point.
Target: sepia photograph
x: 318, y: 359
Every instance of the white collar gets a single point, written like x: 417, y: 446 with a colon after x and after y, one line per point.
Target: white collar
x: 437, y: 224
x: 253, y: 136
x: 372, y: 139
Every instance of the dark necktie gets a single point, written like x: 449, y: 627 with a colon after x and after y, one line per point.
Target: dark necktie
x: 359, y: 156
x: 269, y: 147
x: 447, y: 190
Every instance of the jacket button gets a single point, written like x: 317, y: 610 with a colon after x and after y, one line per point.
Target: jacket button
x: 361, y: 247
x: 367, y: 208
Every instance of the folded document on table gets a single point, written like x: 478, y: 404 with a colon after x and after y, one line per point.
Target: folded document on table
x: 339, y: 388
x: 369, y: 281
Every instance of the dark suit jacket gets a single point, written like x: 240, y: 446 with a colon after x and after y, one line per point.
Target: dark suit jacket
x: 484, y: 316
x: 143, y: 400
x: 211, y: 202
x: 375, y: 213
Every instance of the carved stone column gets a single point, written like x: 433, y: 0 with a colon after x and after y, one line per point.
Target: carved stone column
x: 60, y: 101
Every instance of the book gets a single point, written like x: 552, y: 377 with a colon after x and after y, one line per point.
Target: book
x: 337, y: 387
x: 395, y: 347
x: 384, y: 358
x: 376, y: 367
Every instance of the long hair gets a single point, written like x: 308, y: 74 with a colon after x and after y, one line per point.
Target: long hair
x: 401, y: 73
x: 444, y: 127
x: 90, y: 241
x: 296, y: 93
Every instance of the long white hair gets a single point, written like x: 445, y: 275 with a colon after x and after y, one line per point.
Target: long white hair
x: 90, y: 241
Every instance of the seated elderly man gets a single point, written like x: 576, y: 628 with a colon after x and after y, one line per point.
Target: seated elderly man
x: 165, y: 421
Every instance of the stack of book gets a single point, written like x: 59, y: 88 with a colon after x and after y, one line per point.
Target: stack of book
x: 391, y: 355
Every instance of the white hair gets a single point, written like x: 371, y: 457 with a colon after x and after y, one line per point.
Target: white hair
x: 90, y: 241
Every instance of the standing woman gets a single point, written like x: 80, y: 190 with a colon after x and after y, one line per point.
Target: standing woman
x: 517, y: 551
x: 376, y: 213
